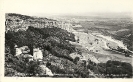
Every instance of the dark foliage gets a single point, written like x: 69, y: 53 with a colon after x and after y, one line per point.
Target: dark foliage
x: 69, y: 69
x: 113, y: 69
x: 17, y: 66
x: 51, y: 40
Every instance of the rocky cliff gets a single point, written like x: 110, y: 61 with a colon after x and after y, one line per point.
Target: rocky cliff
x: 17, y: 22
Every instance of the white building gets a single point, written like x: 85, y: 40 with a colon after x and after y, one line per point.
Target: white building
x: 18, y: 51
x: 37, y: 54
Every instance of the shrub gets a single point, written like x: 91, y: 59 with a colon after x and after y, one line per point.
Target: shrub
x: 76, y: 60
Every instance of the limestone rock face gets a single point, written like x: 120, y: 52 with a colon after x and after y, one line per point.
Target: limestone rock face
x: 45, y: 70
x: 16, y: 22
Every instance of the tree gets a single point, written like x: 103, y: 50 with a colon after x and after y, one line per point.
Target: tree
x: 76, y: 60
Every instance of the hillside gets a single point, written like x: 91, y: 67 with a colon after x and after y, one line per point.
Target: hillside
x: 63, y: 52
x: 118, y: 28
x: 17, y: 22
x: 53, y: 41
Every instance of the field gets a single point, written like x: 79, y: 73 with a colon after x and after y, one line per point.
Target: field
x: 119, y: 28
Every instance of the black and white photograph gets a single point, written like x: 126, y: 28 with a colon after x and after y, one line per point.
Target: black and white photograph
x: 68, y: 39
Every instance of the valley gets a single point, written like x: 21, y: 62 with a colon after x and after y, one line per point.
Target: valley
x: 68, y: 46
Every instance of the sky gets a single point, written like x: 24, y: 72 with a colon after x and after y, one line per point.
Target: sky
x: 67, y: 7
